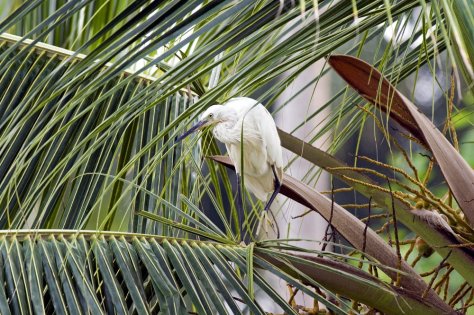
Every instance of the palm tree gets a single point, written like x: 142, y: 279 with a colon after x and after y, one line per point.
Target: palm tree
x: 104, y: 213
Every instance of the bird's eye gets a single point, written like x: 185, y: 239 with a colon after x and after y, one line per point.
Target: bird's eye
x: 211, y: 115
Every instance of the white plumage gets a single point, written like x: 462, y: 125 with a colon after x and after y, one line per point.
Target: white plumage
x: 262, y: 166
x: 261, y: 143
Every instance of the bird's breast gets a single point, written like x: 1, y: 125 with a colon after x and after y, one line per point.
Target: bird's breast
x: 225, y: 132
x: 248, y: 146
x: 250, y: 160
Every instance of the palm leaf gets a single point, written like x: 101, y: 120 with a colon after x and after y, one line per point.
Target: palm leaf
x: 85, y: 271
x: 375, y: 88
x: 73, y: 152
x: 86, y: 144
x: 428, y: 225
x: 356, y: 233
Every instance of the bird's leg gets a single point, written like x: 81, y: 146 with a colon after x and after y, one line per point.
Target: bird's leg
x: 277, y: 186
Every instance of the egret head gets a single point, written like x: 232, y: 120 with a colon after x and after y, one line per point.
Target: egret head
x: 213, y: 115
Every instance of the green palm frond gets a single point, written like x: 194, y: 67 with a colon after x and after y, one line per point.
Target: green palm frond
x: 80, y: 272
x: 70, y: 159
x: 68, y: 119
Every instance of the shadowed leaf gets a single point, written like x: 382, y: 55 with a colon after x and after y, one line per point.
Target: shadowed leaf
x: 386, y: 300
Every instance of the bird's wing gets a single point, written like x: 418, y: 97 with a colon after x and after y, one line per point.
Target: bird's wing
x: 257, y: 117
x: 246, y: 109
x: 270, y: 138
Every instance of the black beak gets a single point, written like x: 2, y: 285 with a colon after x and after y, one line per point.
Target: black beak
x: 190, y: 131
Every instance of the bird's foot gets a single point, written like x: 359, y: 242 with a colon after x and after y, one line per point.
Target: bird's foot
x: 267, y: 228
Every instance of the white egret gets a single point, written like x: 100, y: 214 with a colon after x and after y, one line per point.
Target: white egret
x: 259, y: 144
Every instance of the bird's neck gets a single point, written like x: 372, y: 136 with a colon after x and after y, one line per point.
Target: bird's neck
x: 225, y: 131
